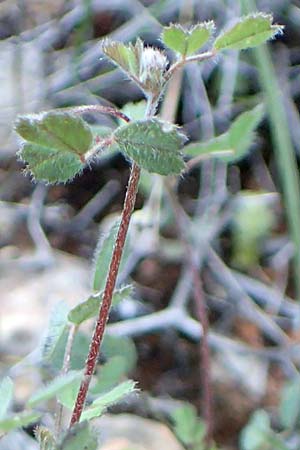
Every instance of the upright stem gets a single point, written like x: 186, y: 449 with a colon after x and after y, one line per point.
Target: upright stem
x: 107, y: 295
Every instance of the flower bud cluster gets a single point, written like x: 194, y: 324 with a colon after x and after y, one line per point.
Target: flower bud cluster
x: 153, y: 65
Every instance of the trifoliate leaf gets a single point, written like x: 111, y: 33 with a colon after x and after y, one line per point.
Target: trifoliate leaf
x: 146, y: 66
x: 109, y: 398
x: 237, y: 139
x: 6, y: 395
x: 54, y: 145
x: 187, y: 41
x: 250, y: 31
x: 90, y: 308
x: 153, y: 144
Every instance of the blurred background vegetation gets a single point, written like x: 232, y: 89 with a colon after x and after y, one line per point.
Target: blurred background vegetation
x: 246, y: 214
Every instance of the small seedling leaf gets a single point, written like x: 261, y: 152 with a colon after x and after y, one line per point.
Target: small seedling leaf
x: 187, y: 41
x: 110, y: 398
x: 250, y: 31
x: 54, y: 145
x: 79, y: 437
x: 54, y: 387
x: 90, y: 308
x: 6, y: 395
x: 18, y: 421
x: 153, y: 144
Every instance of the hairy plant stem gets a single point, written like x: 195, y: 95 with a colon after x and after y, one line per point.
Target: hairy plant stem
x: 108, y: 293
x: 96, y: 341
x: 194, y: 58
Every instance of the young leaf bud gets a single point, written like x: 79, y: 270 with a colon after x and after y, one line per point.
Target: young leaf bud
x: 153, y: 64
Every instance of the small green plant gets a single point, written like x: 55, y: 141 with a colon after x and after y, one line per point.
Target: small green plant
x: 57, y: 146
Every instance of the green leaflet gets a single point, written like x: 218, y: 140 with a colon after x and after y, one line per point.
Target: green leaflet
x: 54, y: 145
x: 57, y: 326
x: 109, y: 398
x: 90, y: 307
x: 103, y: 255
x: 250, y: 31
x: 237, y: 139
x: 153, y: 144
x: 187, y: 41
x: 127, y: 57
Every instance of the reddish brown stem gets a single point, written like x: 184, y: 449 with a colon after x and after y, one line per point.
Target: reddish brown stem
x: 100, y: 109
x: 204, y: 356
x: 108, y: 292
